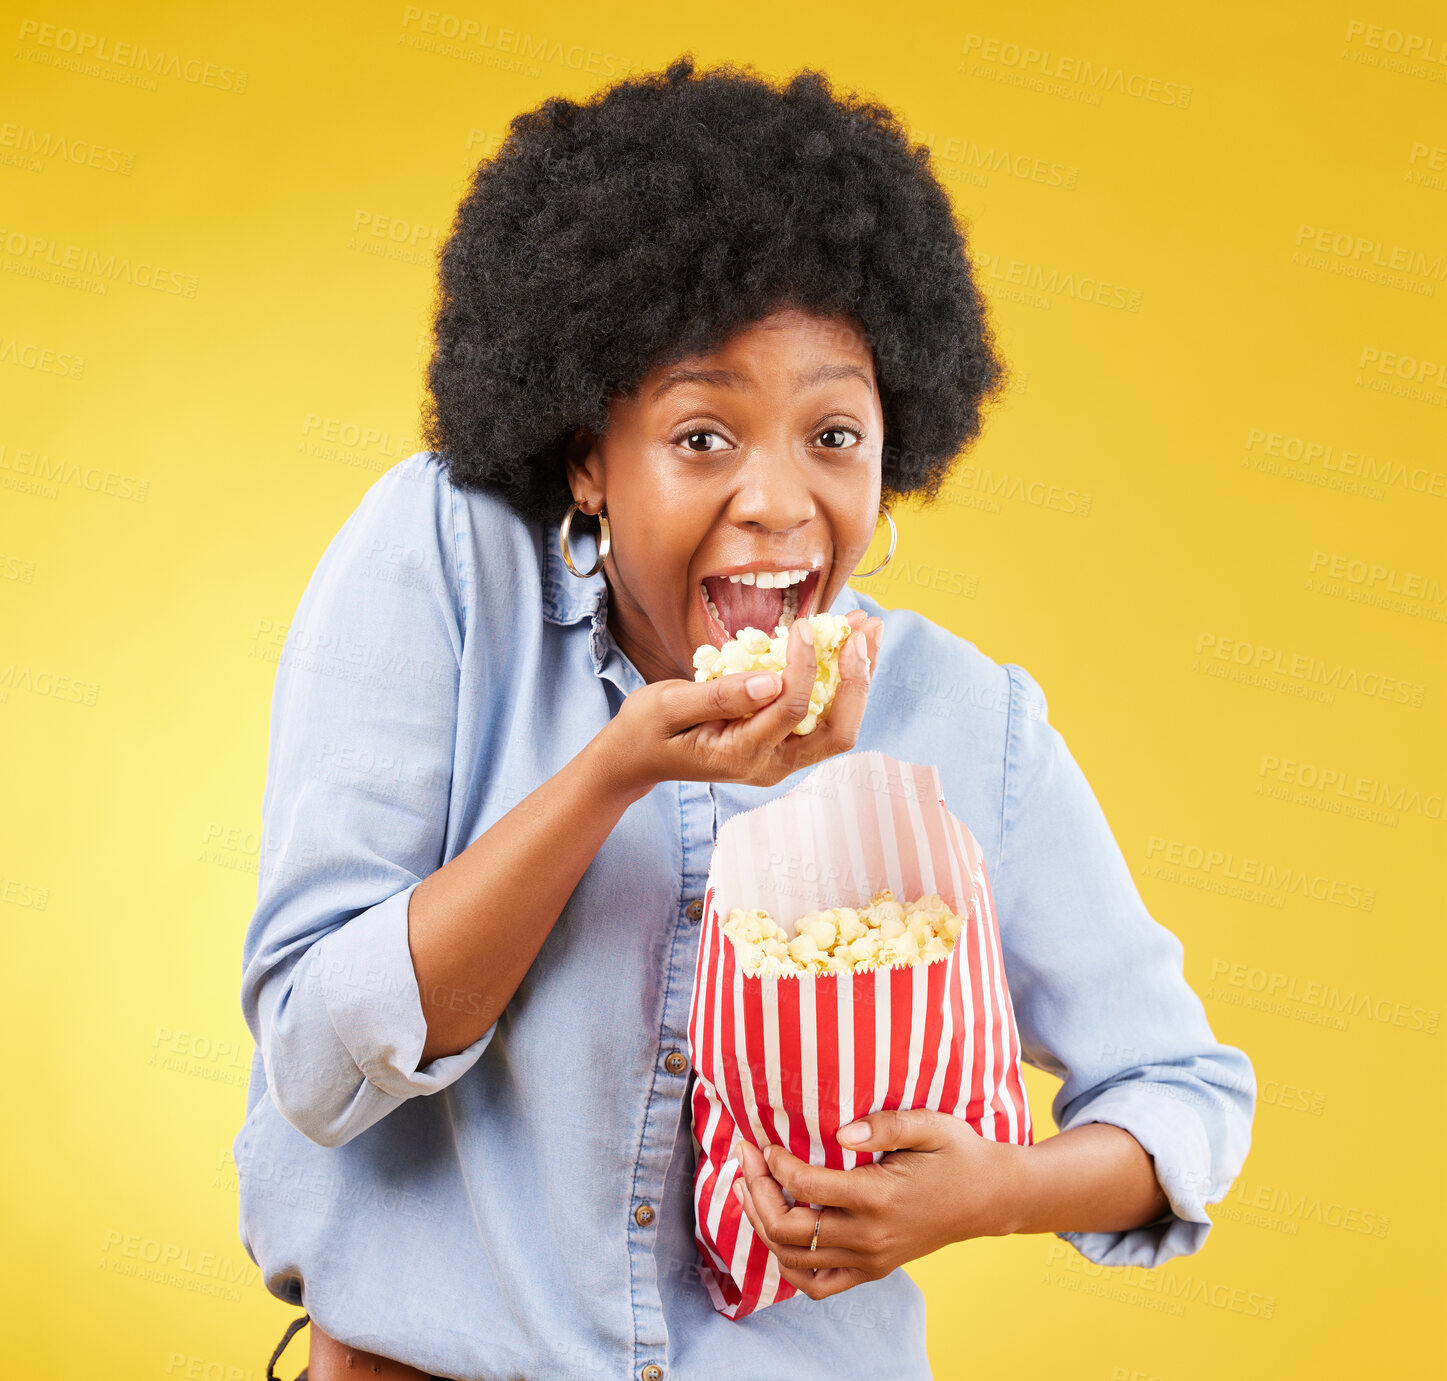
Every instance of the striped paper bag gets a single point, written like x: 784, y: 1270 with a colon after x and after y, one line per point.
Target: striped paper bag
x: 791, y: 1059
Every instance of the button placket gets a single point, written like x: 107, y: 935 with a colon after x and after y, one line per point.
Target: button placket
x: 666, y: 1102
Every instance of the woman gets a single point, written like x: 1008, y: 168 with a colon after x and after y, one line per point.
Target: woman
x: 726, y: 320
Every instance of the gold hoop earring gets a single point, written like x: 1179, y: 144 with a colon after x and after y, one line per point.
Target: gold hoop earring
x: 604, y: 541
x: 893, y: 538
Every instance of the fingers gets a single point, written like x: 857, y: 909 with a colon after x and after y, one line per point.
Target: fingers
x: 725, y: 697
x: 764, y: 1208
x: 874, y: 636
x: 793, y: 1224
x: 814, y: 1184
x: 840, y: 726
x: 845, y: 1255
x: 822, y: 1283
x: 838, y: 731
x: 800, y: 670
x: 778, y: 718
x: 764, y: 1212
x: 899, y: 1129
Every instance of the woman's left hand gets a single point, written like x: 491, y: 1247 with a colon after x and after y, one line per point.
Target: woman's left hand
x: 940, y: 1182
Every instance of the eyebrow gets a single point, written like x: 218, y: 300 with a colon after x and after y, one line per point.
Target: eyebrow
x: 728, y: 378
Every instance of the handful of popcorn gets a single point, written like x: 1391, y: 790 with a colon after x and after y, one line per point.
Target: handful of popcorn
x: 845, y: 939
x: 754, y: 650
x: 813, y: 1007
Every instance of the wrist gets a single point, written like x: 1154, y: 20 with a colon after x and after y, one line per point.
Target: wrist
x: 616, y: 769
x: 1025, y: 1184
x: 1092, y: 1178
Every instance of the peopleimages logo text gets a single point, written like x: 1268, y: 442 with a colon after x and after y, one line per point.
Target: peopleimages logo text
x: 1097, y: 76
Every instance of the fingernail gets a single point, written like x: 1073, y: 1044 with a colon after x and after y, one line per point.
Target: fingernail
x: 855, y: 1131
x: 739, y: 1190
x: 762, y: 685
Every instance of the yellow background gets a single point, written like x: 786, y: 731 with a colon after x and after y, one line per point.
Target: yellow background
x: 1182, y: 472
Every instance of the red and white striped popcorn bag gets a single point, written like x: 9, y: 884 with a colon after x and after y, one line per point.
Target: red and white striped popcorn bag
x: 790, y: 1059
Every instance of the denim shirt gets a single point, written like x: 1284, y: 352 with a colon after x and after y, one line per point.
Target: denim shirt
x: 523, y: 1207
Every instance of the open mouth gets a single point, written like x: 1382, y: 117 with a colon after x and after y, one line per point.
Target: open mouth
x: 732, y: 605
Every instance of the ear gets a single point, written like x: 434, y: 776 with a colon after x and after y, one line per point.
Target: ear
x: 583, y: 466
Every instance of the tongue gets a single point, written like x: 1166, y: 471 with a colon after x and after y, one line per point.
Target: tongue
x: 745, y: 606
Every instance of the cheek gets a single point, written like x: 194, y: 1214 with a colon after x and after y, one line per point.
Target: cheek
x: 656, y: 576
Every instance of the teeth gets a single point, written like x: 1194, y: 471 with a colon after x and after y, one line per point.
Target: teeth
x: 791, y: 606
x: 771, y: 580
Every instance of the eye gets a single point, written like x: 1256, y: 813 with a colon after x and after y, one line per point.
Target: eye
x: 689, y: 438
x: 840, y: 432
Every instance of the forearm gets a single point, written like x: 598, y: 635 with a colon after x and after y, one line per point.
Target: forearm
x: 475, y: 926
x: 1092, y: 1178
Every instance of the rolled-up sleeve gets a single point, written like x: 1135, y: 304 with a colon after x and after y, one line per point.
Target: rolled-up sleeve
x: 354, y: 814
x: 1100, y: 996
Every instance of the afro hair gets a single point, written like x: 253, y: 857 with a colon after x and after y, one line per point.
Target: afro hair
x: 650, y: 222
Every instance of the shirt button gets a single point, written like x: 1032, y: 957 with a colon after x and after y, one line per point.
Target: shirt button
x: 675, y: 1063
x: 643, y: 1215
x: 652, y: 1372
x: 695, y: 910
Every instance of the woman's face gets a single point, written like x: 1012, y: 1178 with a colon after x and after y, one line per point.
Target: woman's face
x: 761, y: 456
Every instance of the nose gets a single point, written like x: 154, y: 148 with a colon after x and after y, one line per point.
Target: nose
x: 773, y: 492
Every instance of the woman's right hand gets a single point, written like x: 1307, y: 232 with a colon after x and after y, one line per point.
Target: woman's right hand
x: 680, y: 730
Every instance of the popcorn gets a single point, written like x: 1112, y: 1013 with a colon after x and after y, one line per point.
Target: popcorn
x: 802, y: 948
x: 860, y: 953
x: 844, y: 939
x: 821, y: 927
x: 850, y: 926
x: 754, y: 650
